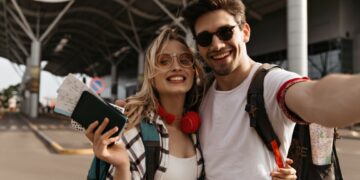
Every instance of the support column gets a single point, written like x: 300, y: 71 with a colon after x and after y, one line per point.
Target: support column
x: 356, y: 53
x: 141, y: 61
x: 297, y: 36
x: 34, y: 77
x: 189, y: 39
x: 34, y: 66
x: 114, y: 83
x: 25, y: 90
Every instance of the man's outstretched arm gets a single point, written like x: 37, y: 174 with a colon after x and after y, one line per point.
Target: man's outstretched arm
x: 332, y: 101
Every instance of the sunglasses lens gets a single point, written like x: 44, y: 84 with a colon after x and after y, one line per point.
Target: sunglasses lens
x: 186, y: 60
x: 225, y: 33
x: 163, y: 61
x: 204, y: 39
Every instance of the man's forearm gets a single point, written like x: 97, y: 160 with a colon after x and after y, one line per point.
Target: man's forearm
x: 332, y: 101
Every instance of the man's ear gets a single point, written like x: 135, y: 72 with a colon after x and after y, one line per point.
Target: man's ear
x: 247, y: 32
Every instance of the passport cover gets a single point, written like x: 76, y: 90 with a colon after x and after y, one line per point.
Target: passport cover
x: 90, y: 108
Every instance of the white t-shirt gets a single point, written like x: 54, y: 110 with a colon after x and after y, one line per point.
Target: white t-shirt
x: 231, y: 148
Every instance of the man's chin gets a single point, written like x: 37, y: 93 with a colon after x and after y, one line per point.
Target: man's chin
x: 222, y: 72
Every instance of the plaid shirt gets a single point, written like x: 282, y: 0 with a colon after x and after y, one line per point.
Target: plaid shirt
x: 136, y: 151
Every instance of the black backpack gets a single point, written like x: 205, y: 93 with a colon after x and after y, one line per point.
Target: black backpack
x: 300, y: 148
x: 150, y: 136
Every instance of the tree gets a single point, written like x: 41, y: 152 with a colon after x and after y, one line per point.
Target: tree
x: 8, y: 93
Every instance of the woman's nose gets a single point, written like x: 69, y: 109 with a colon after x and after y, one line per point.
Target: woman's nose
x: 176, y: 65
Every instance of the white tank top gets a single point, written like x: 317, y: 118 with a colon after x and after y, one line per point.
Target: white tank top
x: 181, y: 168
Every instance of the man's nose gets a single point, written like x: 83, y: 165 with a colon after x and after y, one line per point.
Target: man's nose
x: 216, y: 43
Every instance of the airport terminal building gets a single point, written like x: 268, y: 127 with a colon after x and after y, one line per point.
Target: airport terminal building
x: 108, y: 38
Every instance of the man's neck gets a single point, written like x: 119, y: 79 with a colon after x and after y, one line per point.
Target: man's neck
x: 236, y: 77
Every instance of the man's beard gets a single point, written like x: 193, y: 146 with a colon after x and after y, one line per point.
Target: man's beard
x: 223, y: 71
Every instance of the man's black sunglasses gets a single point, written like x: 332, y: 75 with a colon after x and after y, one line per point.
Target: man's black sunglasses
x: 224, y: 33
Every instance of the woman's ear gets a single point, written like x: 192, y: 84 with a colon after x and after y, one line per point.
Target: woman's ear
x: 153, y: 85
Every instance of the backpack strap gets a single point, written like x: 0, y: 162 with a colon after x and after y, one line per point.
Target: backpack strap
x: 337, y: 169
x: 98, y: 169
x: 151, y: 141
x: 258, y: 117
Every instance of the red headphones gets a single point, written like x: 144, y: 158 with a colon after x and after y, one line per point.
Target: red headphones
x: 190, y: 122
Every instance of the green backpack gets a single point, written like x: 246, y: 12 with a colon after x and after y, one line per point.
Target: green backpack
x: 150, y: 136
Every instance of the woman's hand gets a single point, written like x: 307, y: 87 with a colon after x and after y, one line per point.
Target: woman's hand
x: 287, y: 172
x: 114, y: 154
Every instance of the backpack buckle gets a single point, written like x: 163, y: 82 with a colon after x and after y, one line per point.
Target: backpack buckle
x: 251, y: 109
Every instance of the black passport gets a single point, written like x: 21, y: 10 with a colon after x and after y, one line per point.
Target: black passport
x: 90, y: 108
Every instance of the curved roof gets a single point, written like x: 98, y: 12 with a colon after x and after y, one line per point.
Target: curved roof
x: 93, y: 33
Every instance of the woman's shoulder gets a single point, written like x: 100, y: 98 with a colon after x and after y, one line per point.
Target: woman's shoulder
x: 145, y: 124
x: 131, y: 133
x: 133, y: 142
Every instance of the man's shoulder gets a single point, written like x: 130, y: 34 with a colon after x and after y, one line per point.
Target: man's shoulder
x: 280, y: 75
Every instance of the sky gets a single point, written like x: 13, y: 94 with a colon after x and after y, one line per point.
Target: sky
x: 11, y: 74
x: 8, y: 75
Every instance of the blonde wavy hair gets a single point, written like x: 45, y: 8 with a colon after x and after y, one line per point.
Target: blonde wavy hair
x: 144, y: 102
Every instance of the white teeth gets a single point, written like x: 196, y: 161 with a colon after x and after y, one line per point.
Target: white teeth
x: 222, y: 55
x: 176, y: 78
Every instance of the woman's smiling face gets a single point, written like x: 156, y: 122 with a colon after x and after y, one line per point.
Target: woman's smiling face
x: 174, y: 73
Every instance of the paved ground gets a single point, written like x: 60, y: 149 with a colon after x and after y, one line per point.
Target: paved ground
x: 348, y: 148
x: 349, y: 157
x: 23, y: 155
x: 59, y: 130
x: 28, y: 151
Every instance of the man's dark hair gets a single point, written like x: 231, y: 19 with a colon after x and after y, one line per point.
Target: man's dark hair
x: 201, y: 7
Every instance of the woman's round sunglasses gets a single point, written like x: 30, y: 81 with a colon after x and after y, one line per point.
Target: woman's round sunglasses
x: 224, y: 33
x: 166, y: 60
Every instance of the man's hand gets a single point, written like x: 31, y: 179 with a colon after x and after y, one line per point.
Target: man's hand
x: 287, y: 172
x: 120, y: 103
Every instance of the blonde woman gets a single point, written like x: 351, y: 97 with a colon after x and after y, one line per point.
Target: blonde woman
x: 170, y: 89
x: 173, y: 85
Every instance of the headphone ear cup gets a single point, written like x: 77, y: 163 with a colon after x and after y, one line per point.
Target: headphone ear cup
x: 190, y: 122
x: 167, y: 117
